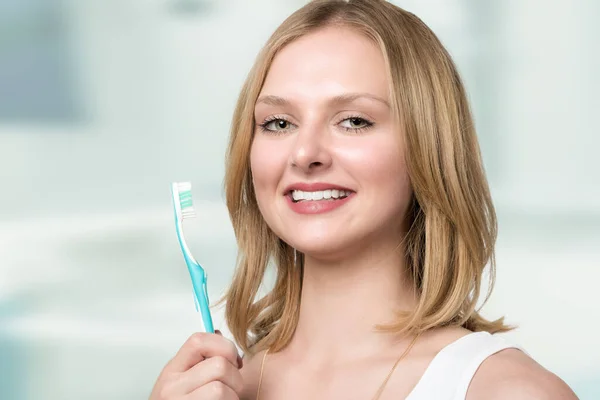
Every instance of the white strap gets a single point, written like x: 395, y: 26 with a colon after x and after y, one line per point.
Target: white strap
x: 491, y: 346
x: 449, y: 374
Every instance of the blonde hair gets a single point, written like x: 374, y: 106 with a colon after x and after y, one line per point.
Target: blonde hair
x: 453, y: 223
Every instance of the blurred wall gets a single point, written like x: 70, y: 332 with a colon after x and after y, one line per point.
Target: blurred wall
x: 103, y: 103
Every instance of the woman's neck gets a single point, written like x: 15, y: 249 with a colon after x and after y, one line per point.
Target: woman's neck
x: 342, y: 302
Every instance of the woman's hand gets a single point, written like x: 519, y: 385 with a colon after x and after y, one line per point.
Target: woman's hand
x: 206, y: 367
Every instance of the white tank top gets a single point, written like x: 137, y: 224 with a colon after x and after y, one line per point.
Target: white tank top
x: 450, y: 372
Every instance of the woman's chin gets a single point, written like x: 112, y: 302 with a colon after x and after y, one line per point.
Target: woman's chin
x: 325, y: 249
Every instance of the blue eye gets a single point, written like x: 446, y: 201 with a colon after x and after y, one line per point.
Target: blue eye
x: 276, y: 125
x: 355, y: 123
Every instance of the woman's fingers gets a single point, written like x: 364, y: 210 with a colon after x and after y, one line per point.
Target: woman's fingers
x: 214, y: 369
x: 215, y: 390
x: 201, y: 346
x: 205, y: 367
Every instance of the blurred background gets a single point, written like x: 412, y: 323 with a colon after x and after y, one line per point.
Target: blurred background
x: 104, y: 102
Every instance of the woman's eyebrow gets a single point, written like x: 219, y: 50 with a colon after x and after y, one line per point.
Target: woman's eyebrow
x: 273, y: 101
x: 337, y: 100
x: 351, y: 97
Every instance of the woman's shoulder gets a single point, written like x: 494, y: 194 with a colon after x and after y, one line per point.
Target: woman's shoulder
x: 512, y: 374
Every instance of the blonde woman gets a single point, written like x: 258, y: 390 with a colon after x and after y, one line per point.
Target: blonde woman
x: 354, y: 169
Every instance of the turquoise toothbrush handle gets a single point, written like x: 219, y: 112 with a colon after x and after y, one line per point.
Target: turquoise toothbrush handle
x: 199, y: 283
x: 198, y: 280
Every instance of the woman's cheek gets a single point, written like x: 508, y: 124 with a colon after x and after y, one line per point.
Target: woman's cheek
x: 266, y: 164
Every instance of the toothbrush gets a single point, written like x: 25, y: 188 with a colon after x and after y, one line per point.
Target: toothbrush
x: 184, y: 209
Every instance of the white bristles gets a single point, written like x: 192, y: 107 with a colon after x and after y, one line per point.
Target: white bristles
x: 188, y: 213
x: 184, y: 186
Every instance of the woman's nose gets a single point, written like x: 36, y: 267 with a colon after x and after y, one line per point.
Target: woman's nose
x: 311, y: 150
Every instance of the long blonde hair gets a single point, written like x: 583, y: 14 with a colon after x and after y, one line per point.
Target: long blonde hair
x: 453, y: 222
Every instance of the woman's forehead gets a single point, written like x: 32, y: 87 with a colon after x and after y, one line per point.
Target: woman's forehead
x: 329, y: 62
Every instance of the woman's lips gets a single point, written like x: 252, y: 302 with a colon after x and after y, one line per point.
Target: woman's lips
x: 316, y: 206
x: 313, y: 187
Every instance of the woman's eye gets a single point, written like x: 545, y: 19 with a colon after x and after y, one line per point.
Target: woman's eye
x: 277, y: 125
x: 355, y: 123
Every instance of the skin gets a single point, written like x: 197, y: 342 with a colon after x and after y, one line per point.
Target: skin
x: 354, y: 269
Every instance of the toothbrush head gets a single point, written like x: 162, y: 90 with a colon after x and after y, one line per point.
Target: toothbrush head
x: 182, y: 198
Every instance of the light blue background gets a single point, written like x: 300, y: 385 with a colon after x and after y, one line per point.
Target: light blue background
x: 104, y: 102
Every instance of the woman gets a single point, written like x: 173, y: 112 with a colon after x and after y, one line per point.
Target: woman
x: 354, y: 168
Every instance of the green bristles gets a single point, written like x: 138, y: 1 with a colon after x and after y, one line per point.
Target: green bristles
x: 185, y: 199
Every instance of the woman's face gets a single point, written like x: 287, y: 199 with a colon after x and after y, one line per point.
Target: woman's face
x: 327, y: 155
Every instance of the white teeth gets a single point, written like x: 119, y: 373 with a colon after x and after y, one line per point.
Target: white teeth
x: 299, y: 195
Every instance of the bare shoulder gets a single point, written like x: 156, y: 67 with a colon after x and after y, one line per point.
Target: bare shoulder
x: 251, y: 374
x: 512, y: 374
